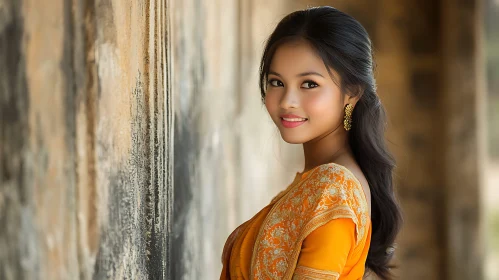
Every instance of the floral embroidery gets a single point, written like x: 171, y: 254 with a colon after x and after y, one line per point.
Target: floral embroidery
x: 328, y: 192
x: 304, y: 273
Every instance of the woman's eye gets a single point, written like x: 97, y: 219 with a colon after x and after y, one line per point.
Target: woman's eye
x: 276, y: 83
x: 310, y: 84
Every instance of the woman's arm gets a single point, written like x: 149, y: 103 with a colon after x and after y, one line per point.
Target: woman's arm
x: 325, y: 251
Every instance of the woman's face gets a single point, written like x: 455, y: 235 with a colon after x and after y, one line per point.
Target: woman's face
x: 302, y: 98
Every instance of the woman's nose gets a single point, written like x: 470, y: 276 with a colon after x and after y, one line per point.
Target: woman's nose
x: 290, y: 99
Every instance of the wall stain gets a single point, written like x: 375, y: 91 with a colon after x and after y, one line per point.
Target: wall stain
x: 105, y: 13
x: 15, y: 166
x: 126, y: 236
x: 92, y: 90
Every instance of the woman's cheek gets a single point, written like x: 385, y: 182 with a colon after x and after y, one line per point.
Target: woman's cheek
x: 316, y: 103
x: 270, y: 104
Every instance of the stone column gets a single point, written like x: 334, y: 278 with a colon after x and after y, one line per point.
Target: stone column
x: 463, y: 111
x: 84, y: 144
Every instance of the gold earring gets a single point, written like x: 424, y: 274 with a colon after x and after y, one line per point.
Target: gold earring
x: 347, y: 123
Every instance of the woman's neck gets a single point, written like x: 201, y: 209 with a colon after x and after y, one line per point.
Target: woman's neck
x: 326, y: 149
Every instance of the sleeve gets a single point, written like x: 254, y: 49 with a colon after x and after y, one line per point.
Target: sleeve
x: 325, y: 250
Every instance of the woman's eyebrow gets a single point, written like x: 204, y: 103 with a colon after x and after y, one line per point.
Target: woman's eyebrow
x: 309, y: 73
x: 299, y: 75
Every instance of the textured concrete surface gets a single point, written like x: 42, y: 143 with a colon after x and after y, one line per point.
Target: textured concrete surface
x: 227, y: 158
x: 83, y: 144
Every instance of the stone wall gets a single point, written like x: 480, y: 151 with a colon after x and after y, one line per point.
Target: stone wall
x: 83, y: 139
x: 227, y: 159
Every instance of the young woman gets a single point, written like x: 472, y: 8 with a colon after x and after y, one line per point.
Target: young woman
x: 339, y: 217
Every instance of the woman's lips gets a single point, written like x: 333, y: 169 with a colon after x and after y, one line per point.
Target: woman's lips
x: 293, y: 123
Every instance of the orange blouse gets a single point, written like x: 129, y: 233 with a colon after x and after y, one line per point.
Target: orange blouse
x: 318, y: 228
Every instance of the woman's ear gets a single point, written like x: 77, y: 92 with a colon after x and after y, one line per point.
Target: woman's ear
x: 353, y: 96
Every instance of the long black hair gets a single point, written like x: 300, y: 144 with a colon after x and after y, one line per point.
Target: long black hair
x: 344, y: 45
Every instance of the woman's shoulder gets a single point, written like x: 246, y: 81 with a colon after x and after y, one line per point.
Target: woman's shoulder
x: 333, y: 175
x: 336, y: 193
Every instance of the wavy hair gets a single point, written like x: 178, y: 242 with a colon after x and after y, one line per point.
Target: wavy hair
x: 344, y: 45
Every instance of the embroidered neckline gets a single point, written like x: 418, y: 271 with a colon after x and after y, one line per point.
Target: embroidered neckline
x: 350, y: 173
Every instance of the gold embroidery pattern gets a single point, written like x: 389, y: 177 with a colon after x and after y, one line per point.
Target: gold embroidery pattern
x: 330, y: 191
x: 305, y: 273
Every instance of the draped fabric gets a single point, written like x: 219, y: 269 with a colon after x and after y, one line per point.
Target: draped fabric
x: 317, y: 228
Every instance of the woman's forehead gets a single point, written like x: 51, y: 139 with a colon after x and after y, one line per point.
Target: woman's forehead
x: 293, y: 58
x: 296, y: 53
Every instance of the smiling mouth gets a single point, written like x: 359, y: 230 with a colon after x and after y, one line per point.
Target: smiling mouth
x: 294, y: 119
x: 292, y: 122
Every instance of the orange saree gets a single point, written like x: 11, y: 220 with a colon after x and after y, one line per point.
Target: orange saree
x: 318, y: 228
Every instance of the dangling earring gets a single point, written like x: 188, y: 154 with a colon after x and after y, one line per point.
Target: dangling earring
x: 347, y: 123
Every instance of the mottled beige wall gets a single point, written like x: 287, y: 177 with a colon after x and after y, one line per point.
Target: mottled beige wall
x: 228, y: 162
x: 83, y: 144
x: 204, y: 46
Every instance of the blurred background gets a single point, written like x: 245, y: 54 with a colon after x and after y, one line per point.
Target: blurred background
x: 491, y: 186
x: 133, y: 139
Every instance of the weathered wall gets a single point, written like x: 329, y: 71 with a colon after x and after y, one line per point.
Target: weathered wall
x: 83, y: 151
x: 227, y: 158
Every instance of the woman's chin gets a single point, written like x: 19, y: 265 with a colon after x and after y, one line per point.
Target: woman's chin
x: 292, y: 139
